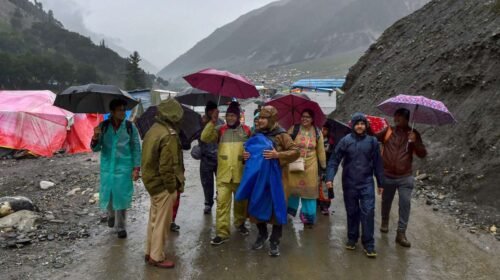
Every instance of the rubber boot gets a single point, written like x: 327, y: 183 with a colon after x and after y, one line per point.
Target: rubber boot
x: 401, y: 239
x: 384, y: 227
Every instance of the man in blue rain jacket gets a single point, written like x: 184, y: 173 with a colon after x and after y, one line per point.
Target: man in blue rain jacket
x: 362, y: 161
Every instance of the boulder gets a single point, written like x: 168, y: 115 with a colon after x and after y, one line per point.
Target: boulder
x: 11, y: 204
x: 23, y: 220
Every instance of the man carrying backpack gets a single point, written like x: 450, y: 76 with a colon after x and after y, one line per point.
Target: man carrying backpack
x: 230, y: 138
x: 118, y: 141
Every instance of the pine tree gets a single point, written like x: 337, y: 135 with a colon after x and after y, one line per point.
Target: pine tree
x: 135, y: 75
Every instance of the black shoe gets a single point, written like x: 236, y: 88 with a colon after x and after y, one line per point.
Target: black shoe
x: 207, y: 210
x: 243, y: 230
x: 122, y: 234
x: 259, y: 243
x: 350, y: 245
x: 274, y: 250
x: 174, y: 227
x: 111, y: 222
x: 371, y: 253
x: 218, y: 240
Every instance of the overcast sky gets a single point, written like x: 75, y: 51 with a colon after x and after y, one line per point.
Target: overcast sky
x: 160, y: 30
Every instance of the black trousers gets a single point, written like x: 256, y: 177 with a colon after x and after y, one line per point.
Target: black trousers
x: 276, y: 233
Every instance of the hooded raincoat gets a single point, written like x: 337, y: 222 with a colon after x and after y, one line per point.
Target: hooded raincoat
x: 120, y: 154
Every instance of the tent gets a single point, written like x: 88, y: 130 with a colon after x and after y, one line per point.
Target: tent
x: 30, y: 121
x: 80, y: 135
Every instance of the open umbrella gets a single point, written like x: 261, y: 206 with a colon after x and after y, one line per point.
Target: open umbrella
x: 92, y: 98
x: 377, y: 124
x: 423, y: 110
x: 336, y: 130
x: 291, y: 106
x: 197, y: 97
x: 190, y: 124
x: 222, y: 83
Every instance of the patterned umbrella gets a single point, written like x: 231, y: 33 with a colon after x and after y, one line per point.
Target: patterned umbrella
x: 423, y: 110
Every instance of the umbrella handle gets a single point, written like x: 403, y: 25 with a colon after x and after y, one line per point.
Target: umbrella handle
x: 218, y: 102
x: 412, y: 126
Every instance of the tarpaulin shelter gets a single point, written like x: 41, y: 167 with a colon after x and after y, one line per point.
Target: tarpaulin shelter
x: 80, y: 135
x: 30, y: 121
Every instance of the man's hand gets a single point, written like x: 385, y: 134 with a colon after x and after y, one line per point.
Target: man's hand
x: 380, y: 191
x: 97, y: 132
x: 215, y: 116
x: 329, y: 184
x: 412, y: 137
x: 246, y: 155
x: 135, y: 175
x: 271, y: 154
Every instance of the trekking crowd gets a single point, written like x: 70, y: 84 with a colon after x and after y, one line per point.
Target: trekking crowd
x: 265, y: 173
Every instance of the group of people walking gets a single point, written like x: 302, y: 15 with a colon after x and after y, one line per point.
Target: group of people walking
x: 264, y: 173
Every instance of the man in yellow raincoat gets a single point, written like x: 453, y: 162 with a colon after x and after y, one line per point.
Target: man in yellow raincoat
x: 118, y: 141
x: 231, y: 138
x: 163, y: 176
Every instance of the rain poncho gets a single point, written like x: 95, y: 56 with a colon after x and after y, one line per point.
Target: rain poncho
x: 120, y: 154
x: 261, y: 183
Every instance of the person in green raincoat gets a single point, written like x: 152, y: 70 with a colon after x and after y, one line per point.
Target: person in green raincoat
x: 118, y: 141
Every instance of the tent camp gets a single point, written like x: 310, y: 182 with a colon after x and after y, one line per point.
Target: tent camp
x: 29, y: 121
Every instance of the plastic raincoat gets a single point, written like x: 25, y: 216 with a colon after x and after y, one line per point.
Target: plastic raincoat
x: 120, y: 154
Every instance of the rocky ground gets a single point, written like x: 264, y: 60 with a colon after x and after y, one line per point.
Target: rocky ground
x: 67, y: 210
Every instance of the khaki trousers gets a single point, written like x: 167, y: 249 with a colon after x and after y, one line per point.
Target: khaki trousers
x: 160, y: 217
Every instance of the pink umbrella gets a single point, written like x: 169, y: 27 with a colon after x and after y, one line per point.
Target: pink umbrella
x: 222, y: 83
x: 423, y: 110
x: 290, y: 108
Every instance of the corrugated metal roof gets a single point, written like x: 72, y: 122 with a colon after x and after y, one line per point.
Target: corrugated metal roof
x: 319, y: 84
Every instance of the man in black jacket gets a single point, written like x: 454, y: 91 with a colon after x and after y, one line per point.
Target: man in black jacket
x: 361, y: 155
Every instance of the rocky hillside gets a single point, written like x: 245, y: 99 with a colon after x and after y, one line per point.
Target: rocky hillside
x: 292, y: 31
x: 449, y: 50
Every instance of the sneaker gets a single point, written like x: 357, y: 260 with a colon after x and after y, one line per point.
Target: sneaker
x: 325, y: 212
x: 371, y: 253
x: 218, y: 240
x: 122, y: 234
x: 350, y: 245
x: 174, y: 227
x: 111, y: 222
x: 274, y: 250
x: 243, y: 230
x: 259, y: 243
x: 207, y: 210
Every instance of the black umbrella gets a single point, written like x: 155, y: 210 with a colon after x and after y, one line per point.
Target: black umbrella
x: 190, y: 124
x: 198, y: 97
x: 336, y: 130
x: 92, y: 98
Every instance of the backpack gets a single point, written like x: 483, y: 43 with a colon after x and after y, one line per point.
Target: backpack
x: 106, y: 123
x: 296, y: 130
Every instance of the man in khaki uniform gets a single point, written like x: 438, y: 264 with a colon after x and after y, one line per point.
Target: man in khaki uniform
x: 163, y: 176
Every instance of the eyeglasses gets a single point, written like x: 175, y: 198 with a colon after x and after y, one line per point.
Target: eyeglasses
x: 306, y: 117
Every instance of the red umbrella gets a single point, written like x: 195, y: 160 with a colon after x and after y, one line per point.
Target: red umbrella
x: 377, y: 124
x: 222, y: 83
x: 291, y: 106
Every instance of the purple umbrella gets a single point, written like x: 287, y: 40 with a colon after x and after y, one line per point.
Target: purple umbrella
x: 222, y: 83
x: 423, y: 110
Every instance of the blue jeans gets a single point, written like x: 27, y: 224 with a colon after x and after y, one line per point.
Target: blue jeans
x: 360, y: 207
